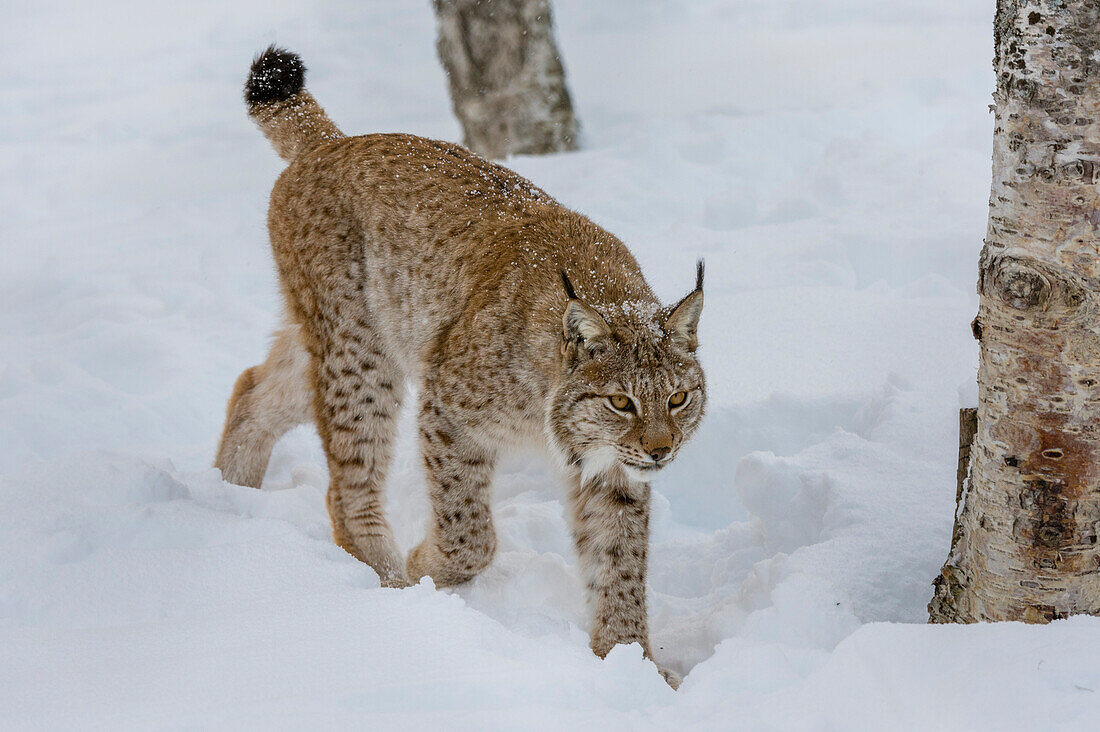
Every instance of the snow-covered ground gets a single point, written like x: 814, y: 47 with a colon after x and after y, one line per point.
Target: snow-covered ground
x: 829, y: 158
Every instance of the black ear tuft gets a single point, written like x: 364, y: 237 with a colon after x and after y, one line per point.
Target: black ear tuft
x: 276, y: 75
x: 568, y: 286
x: 699, y: 267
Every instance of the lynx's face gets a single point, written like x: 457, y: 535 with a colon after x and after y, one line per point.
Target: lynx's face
x: 632, y: 390
x: 633, y: 405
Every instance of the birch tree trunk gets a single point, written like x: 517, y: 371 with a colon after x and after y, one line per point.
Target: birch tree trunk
x: 1025, y: 545
x: 506, y: 78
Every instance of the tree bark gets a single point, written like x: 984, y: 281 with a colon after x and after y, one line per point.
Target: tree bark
x: 506, y: 78
x: 1026, y: 546
x: 968, y: 428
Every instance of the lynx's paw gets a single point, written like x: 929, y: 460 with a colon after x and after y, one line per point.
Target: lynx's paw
x: 446, y: 570
x: 395, y: 581
x: 381, y: 554
x: 671, y: 677
x: 420, y: 562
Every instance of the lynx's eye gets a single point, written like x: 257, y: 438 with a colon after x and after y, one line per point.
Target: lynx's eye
x: 677, y: 399
x: 622, y: 403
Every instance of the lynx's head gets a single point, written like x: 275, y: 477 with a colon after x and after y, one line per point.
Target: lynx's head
x: 632, y: 391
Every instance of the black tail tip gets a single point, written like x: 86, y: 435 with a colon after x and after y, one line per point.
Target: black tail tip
x: 276, y: 75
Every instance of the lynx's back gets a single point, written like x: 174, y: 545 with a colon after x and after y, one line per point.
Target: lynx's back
x: 440, y: 230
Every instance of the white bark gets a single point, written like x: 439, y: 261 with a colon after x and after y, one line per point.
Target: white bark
x: 1025, y: 546
x: 506, y: 78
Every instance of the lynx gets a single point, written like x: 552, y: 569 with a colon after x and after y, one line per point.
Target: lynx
x: 403, y: 259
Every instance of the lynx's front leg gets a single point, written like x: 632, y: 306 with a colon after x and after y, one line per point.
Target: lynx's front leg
x: 611, y: 531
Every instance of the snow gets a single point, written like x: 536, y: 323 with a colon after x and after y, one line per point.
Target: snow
x: 831, y: 162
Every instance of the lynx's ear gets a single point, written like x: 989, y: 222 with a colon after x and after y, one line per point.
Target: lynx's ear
x: 581, y: 324
x: 683, y: 321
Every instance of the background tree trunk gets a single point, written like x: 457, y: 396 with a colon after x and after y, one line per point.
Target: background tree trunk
x: 1026, y: 546
x: 506, y: 78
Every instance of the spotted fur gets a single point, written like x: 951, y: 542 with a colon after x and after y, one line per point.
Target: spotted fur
x: 406, y: 259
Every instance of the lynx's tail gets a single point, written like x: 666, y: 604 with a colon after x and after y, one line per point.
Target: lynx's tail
x: 278, y: 102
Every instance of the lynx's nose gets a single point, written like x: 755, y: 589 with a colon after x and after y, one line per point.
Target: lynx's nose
x: 657, y: 441
x: 658, y: 453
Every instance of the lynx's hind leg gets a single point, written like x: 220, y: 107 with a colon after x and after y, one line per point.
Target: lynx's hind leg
x: 267, y: 400
x: 358, y: 389
x: 461, y: 540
